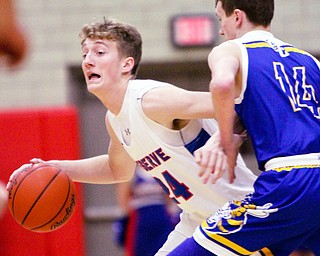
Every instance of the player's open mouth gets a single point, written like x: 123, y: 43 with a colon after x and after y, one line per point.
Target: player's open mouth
x: 93, y: 76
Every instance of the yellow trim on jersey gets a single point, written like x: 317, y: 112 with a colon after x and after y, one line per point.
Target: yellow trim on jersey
x: 264, y: 44
x: 257, y: 45
x: 289, y: 168
x: 292, y: 49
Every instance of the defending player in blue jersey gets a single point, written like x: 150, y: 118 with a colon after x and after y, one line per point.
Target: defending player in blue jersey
x: 275, y: 89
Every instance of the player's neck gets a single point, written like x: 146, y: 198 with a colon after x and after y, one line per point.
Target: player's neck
x: 114, y: 97
x: 250, y: 27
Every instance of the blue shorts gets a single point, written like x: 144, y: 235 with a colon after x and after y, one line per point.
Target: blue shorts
x: 281, y: 215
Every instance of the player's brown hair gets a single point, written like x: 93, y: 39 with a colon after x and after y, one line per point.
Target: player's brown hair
x: 127, y: 37
x: 259, y: 12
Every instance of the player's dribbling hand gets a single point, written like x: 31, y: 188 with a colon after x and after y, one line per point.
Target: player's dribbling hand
x: 12, y: 176
x: 22, y: 167
x: 36, y: 161
x: 212, y: 160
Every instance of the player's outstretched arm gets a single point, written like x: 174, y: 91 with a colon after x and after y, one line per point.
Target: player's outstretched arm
x: 168, y: 103
x: 114, y: 167
x: 96, y: 170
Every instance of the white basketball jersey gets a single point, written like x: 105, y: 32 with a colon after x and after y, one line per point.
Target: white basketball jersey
x: 167, y: 155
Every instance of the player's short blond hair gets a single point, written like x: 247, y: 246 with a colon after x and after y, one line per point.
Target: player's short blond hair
x: 126, y: 36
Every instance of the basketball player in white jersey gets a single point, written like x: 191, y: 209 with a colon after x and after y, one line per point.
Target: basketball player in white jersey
x: 153, y: 124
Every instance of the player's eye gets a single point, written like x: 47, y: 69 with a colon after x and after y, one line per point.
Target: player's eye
x: 100, y: 52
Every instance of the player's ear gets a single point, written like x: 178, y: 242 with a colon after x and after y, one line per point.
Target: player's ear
x: 238, y: 16
x: 128, y: 64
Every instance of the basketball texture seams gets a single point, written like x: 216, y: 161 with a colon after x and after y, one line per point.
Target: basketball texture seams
x: 42, y: 198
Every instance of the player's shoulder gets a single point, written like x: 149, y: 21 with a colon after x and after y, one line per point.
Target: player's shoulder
x: 147, y: 83
x: 226, y: 46
x: 142, y: 86
x: 225, y: 49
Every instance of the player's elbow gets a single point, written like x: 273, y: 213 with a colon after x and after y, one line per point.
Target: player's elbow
x: 122, y: 176
x: 222, y: 85
x: 126, y: 178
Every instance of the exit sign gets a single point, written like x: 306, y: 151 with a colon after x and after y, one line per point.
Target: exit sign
x: 193, y: 30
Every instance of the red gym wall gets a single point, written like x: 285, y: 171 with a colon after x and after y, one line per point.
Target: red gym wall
x: 47, y: 134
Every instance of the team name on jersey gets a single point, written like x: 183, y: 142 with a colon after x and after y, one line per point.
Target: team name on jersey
x: 153, y: 160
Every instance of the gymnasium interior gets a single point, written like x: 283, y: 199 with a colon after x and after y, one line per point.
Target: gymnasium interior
x: 46, y: 111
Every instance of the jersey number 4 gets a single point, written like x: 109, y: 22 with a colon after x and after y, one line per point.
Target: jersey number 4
x: 178, y: 189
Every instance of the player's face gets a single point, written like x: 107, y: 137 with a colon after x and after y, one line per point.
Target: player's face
x: 227, y: 24
x: 101, y: 63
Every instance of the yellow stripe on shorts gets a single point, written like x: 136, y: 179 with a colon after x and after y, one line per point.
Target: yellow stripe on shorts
x: 230, y: 244
x: 289, y: 168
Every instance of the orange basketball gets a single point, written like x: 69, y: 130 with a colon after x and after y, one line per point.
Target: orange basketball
x: 42, y: 197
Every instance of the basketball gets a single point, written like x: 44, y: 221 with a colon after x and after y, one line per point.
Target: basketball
x: 42, y: 197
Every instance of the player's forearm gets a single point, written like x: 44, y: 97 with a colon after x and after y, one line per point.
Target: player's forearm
x: 223, y: 101
x: 89, y: 170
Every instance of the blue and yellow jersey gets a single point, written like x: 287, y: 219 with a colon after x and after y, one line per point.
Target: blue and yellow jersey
x: 280, y: 100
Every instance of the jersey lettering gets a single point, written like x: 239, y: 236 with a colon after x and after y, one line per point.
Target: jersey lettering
x: 153, y: 160
x: 278, y: 48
